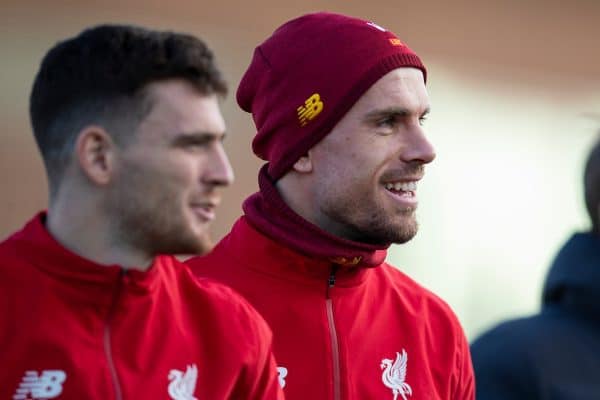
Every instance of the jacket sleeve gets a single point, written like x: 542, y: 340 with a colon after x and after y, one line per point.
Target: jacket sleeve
x: 465, y: 377
x: 260, y: 378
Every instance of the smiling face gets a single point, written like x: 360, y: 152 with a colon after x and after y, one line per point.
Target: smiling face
x: 167, y: 178
x: 364, y: 174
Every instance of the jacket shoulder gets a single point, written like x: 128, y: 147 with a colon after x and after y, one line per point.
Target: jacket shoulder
x: 12, y: 263
x: 416, y: 294
x: 224, y: 302
x: 8, y: 247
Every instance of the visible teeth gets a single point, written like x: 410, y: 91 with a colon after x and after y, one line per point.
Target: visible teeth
x: 402, y: 186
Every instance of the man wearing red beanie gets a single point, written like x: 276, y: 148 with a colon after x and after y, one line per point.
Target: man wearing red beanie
x: 338, y: 104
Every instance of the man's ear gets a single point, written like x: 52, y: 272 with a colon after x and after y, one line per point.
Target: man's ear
x: 95, y: 154
x: 304, y: 164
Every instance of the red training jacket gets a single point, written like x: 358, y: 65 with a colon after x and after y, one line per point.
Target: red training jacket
x: 344, y: 332
x: 73, y: 329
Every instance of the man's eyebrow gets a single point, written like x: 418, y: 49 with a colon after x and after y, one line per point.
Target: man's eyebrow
x: 197, y: 137
x: 392, y: 111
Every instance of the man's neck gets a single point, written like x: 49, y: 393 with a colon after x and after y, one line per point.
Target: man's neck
x: 83, y: 230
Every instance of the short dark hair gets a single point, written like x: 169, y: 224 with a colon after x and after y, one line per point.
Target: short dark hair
x: 591, y: 183
x: 99, y: 76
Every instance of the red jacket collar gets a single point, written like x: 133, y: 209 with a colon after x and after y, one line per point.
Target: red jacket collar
x: 257, y: 251
x: 37, y: 245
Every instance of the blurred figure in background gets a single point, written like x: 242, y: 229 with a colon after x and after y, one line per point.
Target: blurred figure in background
x: 339, y: 104
x: 554, y: 354
x: 129, y: 127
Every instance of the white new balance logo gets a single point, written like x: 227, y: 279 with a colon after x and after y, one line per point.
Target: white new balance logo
x: 46, y: 386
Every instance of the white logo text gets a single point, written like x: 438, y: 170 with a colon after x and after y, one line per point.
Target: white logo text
x: 45, y: 386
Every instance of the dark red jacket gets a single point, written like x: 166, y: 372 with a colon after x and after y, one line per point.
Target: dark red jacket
x: 343, y: 332
x: 73, y: 329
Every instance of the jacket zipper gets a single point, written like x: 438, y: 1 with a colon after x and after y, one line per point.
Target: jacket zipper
x: 333, y: 335
x: 107, y: 343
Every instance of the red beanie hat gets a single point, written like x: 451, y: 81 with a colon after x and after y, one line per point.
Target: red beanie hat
x: 305, y: 77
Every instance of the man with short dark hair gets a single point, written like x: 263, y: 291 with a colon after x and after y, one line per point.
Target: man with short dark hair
x: 129, y: 127
x: 554, y: 354
x: 338, y: 104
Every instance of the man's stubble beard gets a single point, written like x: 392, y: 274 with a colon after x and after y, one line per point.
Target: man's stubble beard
x: 377, y: 228
x: 153, y: 227
x: 381, y: 231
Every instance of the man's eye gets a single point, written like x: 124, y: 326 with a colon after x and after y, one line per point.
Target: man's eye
x: 196, y: 144
x: 422, y: 120
x: 193, y: 147
x: 387, y: 122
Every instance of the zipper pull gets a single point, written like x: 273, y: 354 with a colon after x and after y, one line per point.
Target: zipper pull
x: 334, y: 269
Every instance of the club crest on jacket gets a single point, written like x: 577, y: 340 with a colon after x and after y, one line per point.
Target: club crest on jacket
x: 394, y: 375
x: 183, y: 384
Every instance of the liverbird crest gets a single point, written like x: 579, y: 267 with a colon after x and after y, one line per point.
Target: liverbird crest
x: 182, y: 384
x: 394, y: 375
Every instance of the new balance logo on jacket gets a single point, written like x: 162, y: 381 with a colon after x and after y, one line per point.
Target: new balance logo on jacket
x: 47, y: 385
